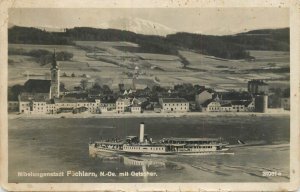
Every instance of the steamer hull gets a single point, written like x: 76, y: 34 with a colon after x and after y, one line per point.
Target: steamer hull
x: 167, y: 146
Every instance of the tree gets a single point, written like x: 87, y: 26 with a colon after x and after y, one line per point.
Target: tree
x: 286, y: 93
x: 158, y: 89
x: 14, y: 91
x: 106, y: 89
x: 73, y: 75
x: 97, y: 86
x: 84, y: 83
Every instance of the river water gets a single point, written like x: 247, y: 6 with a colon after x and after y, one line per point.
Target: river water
x: 61, y: 145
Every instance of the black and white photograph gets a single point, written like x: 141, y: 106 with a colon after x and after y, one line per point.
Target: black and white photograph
x: 149, y: 95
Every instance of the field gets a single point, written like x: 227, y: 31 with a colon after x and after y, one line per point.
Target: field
x: 106, y: 63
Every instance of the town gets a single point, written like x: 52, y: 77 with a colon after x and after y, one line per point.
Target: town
x: 39, y: 96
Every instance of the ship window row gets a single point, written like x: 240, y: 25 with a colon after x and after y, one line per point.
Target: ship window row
x: 156, y: 148
x: 151, y: 148
x: 189, y: 142
x: 205, y: 147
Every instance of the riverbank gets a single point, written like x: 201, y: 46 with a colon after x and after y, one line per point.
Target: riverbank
x: 142, y: 115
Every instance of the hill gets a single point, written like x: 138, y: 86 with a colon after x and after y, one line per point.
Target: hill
x: 227, y: 47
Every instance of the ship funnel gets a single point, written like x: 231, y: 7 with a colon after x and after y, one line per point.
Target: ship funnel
x: 141, y: 132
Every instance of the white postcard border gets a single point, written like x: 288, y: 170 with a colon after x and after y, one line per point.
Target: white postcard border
x: 294, y: 82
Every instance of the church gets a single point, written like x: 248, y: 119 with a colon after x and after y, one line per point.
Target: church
x: 43, y: 96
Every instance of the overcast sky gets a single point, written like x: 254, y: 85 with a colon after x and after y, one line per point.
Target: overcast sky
x: 195, y: 20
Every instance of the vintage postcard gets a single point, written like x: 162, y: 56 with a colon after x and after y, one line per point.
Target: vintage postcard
x: 150, y: 96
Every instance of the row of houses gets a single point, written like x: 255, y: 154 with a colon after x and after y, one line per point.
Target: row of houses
x: 208, y: 101
x: 233, y: 106
x: 37, y: 104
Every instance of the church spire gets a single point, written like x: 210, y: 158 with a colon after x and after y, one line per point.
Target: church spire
x: 55, y: 84
x: 54, y: 62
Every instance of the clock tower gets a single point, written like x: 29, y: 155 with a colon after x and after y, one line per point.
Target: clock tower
x: 54, y: 91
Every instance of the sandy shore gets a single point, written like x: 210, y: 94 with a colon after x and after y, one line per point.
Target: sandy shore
x: 146, y: 114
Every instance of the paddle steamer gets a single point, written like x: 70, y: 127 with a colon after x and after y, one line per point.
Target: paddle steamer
x: 143, y: 145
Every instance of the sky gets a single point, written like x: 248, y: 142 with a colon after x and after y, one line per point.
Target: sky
x: 213, y: 21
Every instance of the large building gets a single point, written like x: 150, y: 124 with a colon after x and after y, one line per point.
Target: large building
x: 122, y: 104
x: 33, y: 103
x: 174, y: 105
x: 233, y: 106
x: 212, y: 105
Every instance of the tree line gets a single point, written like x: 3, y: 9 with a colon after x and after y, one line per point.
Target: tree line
x: 227, y: 47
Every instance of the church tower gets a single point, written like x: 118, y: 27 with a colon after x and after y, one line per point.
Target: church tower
x: 54, y: 92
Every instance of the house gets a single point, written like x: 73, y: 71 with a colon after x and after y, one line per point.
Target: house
x: 135, y: 108
x: 50, y: 107
x: 139, y: 100
x: 238, y: 106
x: 211, y: 105
x: 174, y: 104
x: 108, y: 104
x: 226, y: 107
x: 66, y: 104
x: 33, y: 103
x: 122, y: 104
x: 13, y: 106
x: 250, y: 105
x: 125, y: 92
x: 69, y: 104
x: 285, y: 103
x: 157, y: 108
x: 24, y: 106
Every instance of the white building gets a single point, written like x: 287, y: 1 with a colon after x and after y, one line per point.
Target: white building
x: 135, y: 108
x: 30, y: 103
x: 211, y: 106
x: 39, y: 107
x: 233, y: 106
x: 107, y: 106
x: 121, y: 104
x: 174, y: 104
x: 227, y: 107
